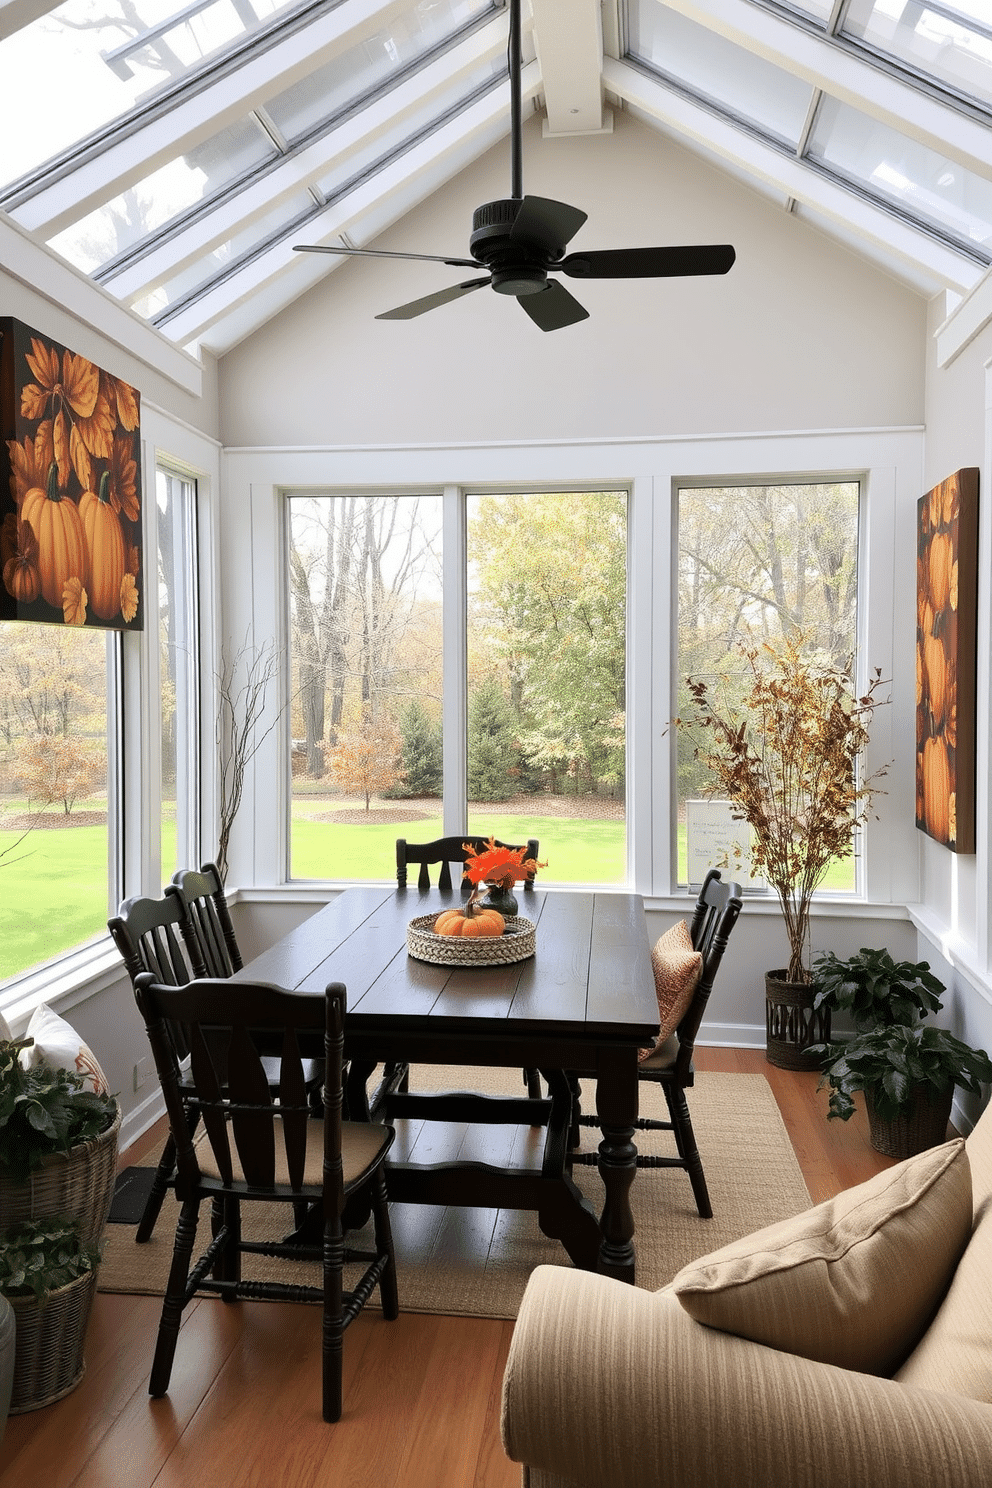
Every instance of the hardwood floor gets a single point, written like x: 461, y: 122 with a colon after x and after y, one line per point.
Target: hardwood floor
x: 421, y: 1395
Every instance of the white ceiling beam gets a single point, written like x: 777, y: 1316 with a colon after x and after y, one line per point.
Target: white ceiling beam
x: 965, y: 322
x: 412, y: 177
x: 203, y: 114
x: 47, y: 275
x: 303, y: 169
x: 568, y: 37
x: 870, y: 90
x: 688, y: 122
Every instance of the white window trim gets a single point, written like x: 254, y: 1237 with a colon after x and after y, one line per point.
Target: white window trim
x: 889, y: 460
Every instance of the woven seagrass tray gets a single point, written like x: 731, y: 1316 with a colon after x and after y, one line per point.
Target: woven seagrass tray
x: 515, y: 944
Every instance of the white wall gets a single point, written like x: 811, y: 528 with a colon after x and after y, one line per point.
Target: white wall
x: 953, y: 916
x: 800, y: 334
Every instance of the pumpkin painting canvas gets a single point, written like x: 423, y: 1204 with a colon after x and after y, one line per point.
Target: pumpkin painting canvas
x: 946, y: 629
x: 70, y: 487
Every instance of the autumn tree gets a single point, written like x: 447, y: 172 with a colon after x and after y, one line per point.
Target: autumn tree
x: 365, y: 761
x: 54, y: 768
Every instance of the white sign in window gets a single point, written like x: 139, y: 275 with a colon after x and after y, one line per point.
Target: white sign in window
x: 714, y: 839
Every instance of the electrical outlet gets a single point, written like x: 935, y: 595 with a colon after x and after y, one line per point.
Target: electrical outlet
x: 142, y: 1073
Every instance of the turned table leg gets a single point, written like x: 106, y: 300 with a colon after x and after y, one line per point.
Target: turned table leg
x: 616, y: 1108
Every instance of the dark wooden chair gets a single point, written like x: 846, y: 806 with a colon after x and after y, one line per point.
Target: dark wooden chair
x: 148, y: 934
x: 206, y: 919
x: 444, y: 850
x: 265, y: 1148
x: 447, y: 850
x: 670, y: 1066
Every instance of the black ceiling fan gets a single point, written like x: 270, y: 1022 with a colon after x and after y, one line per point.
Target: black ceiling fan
x: 520, y: 240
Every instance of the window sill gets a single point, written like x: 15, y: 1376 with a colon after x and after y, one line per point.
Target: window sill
x: 62, y: 983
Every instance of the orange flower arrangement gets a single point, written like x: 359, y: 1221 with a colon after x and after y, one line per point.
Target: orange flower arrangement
x: 500, y: 867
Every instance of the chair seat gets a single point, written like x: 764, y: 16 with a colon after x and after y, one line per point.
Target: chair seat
x: 361, y: 1144
x: 662, y: 1057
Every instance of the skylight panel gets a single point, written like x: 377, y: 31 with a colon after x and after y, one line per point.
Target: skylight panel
x: 951, y: 43
x: 710, y: 67
x: 375, y: 62
x: 894, y: 168
x: 98, y: 62
x: 167, y: 193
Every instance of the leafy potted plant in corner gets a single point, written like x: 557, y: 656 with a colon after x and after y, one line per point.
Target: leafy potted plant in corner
x: 875, y: 990
x: 785, y: 746
x: 907, y: 1073
x: 58, y: 1157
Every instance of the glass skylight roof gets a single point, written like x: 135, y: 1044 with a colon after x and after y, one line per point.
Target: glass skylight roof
x: 949, y: 42
x: 99, y: 67
x: 891, y: 102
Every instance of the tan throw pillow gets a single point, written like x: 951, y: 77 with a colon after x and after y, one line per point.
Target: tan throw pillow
x: 853, y: 1282
x: 57, y: 1043
x: 677, y: 969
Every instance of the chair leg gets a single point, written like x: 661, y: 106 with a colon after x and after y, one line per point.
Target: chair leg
x: 388, y: 1294
x: 175, y: 1299
x: 332, y: 1329
x: 160, y: 1187
x: 532, y: 1079
x: 685, y: 1140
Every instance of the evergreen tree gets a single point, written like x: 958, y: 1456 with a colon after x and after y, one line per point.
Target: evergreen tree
x: 493, y: 756
x: 421, y: 756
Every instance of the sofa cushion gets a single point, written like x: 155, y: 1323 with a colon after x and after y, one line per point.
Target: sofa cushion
x: 853, y: 1282
x: 677, y: 969
x: 955, y: 1353
x: 57, y: 1043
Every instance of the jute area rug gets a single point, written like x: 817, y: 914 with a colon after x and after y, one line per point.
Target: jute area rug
x: 472, y: 1262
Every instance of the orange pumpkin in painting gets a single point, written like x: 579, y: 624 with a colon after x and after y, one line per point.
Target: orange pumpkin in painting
x: 937, y: 789
x: 105, y: 545
x: 57, y: 525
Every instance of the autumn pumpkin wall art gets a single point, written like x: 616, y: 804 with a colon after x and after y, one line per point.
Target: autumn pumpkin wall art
x: 946, y: 629
x: 70, y: 537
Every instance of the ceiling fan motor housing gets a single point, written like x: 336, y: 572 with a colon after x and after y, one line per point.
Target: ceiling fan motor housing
x: 519, y: 266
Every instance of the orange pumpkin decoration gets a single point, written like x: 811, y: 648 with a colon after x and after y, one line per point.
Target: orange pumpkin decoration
x: 105, y: 546
x: 20, y: 572
x: 57, y: 525
x: 937, y: 789
x: 469, y: 922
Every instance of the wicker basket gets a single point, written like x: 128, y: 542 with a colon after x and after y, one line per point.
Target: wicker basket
x: 924, y: 1124
x: 48, y: 1352
x: 792, y: 1024
x: 515, y: 944
x: 78, y: 1185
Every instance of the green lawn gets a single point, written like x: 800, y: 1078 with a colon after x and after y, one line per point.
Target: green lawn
x: 54, y: 894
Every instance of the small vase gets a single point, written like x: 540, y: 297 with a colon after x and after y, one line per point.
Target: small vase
x: 503, y: 900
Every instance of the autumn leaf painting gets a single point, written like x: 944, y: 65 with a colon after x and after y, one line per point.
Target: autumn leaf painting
x: 946, y: 619
x: 70, y: 487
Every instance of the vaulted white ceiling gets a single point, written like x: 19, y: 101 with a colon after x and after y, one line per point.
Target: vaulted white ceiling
x: 190, y: 146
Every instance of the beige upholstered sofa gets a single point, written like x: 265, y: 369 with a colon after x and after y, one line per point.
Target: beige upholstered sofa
x: 610, y: 1386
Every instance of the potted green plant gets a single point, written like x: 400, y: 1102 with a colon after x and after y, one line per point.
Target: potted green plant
x: 48, y: 1276
x: 907, y: 1073
x: 785, y: 746
x: 873, y: 989
x: 58, y: 1161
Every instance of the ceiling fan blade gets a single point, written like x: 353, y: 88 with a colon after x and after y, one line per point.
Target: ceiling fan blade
x: 454, y: 263
x: 649, y: 263
x: 552, y: 308
x: 431, y: 302
x: 552, y: 224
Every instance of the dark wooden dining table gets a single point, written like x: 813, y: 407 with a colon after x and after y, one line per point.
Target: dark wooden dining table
x: 584, y: 1001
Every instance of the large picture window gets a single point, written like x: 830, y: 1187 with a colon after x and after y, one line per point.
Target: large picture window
x: 541, y: 715
x: 178, y: 668
x: 756, y: 562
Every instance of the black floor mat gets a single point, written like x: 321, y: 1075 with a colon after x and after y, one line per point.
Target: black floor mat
x: 130, y: 1195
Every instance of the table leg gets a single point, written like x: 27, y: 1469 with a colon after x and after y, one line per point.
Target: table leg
x: 616, y: 1108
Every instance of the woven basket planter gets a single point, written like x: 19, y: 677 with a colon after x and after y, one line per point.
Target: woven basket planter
x: 515, y: 944
x: 78, y: 1185
x: 48, y: 1351
x: 792, y: 1024
x: 923, y: 1126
